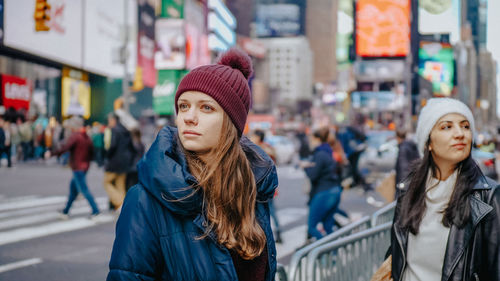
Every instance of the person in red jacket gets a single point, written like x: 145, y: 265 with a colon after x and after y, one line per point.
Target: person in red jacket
x: 80, y: 147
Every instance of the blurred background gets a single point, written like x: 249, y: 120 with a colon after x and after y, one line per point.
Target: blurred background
x: 363, y: 64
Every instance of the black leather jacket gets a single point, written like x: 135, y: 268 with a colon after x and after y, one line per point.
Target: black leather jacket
x: 472, y: 252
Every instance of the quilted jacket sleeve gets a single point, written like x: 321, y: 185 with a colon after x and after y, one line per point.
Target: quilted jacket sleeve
x: 136, y: 251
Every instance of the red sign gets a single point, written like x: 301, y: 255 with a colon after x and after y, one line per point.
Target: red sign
x: 16, y: 92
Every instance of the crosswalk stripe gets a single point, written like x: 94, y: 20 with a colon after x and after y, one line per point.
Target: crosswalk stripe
x: 43, y: 217
x: 35, y: 202
x: 4, y: 199
x: 289, y: 215
x: 19, y: 264
x: 38, y: 210
x: 26, y: 233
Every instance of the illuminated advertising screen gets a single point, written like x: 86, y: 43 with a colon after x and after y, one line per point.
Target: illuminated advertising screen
x: 278, y: 20
x: 436, y: 64
x: 382, y: 28
x: 75, y: 98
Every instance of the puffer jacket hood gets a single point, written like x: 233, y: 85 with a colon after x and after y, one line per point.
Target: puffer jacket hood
x: 164, y: 173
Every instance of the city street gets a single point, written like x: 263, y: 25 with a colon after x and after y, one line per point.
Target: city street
x: 35, y: 244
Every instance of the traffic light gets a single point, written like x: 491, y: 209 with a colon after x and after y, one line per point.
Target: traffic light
x: 42, y: 10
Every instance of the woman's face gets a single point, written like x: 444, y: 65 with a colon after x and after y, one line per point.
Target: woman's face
x: 451, y: 139
x: 199, y: 121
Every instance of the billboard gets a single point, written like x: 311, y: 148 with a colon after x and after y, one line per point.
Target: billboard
x: 171, y: 43
x: 345, y: 23
x: 103, y: 33
x: 382, y: 28
x: 446, y: 13
x: 1, y: 22
x: 436, y: 64
x: 62, y: 43
x: 278, y: 20
x: 146, y: 43
x: 16, y: 92
x: 75, y: 97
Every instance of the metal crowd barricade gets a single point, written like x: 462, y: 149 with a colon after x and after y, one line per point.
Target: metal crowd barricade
x: 280, y: 273
x: 298, y: 262
x: 355, y: 257
x: 384, y: 214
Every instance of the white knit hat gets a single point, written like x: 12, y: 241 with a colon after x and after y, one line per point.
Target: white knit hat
x: 433, y: 111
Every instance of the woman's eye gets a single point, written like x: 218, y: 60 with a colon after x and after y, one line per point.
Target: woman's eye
x: 207, y: 108
x: 446, y: 127
x: 183, y: 106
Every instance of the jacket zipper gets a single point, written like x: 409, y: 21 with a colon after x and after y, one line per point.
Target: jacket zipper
x: 476, y: 277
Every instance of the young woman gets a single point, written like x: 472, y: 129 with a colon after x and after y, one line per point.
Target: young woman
x: 200, y: 210
x: 446, y: 225
x: 324, y: 197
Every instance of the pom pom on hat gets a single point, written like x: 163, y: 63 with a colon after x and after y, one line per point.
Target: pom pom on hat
x: 226, y: 82
x: 433, y: 111
x: 237, y: 59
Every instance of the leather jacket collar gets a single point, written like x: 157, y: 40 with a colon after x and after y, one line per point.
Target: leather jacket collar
x: 458, y: 238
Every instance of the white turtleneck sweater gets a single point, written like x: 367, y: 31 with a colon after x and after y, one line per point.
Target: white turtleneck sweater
x: 426, y: 250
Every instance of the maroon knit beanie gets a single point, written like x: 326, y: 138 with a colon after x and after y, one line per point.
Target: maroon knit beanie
x: 226, y: 82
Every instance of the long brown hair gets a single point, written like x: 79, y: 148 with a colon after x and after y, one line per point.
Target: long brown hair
x: 413, y: 202
x: 229, y: 194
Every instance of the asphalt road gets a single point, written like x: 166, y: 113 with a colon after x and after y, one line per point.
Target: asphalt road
x: 35, y: 244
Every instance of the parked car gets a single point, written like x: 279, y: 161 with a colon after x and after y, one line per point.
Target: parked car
x: 284, y: 147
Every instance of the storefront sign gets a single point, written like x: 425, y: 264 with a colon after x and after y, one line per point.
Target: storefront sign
x: 146, y: 43
x: 16, y: 92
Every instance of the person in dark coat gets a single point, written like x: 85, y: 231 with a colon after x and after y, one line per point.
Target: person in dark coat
x: 119, y: 159
x: 200, y: 210
x: 447, y: 220
x: 132, y: 174
x: 80, y: 147
x: 407, y: 154
x: 324, y: 197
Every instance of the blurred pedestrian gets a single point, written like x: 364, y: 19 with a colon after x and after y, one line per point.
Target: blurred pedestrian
x: 5, y: 141
x: 132, y: 174
x: 353, y: 142
x: 407, y: 154
x: 325, y: 193
x: 80, y: 147
x: 119, y: 157
x: 98, y: 142
x: 26, y: 133
x: 258, y: 137
x: 200, y: 211
x: 447, y: 220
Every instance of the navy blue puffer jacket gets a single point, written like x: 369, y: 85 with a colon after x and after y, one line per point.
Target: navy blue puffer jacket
x: 156, y: 234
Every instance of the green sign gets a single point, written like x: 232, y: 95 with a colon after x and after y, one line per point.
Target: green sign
x: 173, y: 9
x: 164, y: 91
